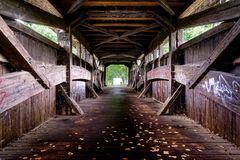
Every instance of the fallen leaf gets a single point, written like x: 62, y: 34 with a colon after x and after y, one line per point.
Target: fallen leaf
x: 70, y: 153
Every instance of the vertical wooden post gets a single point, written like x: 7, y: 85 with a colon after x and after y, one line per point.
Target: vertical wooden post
x: 69, y: 64
x: 79, y: 53
x: 160, y: 55
x: 153, y: 64
x: 179, y: 37
x: 104, y: 76
x: 92, y: 75
x: 172, y: 48
x: 65, y: 40
x: 85, y: 52
x: 145, y: 75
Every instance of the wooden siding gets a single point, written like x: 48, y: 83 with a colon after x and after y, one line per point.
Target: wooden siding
x: 31, y: 112
x: 214, y: 102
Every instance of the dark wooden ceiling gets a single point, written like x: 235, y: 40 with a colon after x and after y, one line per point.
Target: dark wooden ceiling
x: 120, y: 30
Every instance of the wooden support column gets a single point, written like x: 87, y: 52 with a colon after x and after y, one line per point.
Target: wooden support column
x: 145, y: 75
x: 65, y: 40
x: 92, y: 74
x: 160, y: 55
x: 104, y: 76
x: 79, y: 53
x: 172, y: 48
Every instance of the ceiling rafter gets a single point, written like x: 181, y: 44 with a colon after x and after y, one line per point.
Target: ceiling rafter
x: 166, y: 7
x: 129, y: 33
x: 75, y: 6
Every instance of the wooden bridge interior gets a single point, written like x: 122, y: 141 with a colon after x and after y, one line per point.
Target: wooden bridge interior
x: 180, y: 103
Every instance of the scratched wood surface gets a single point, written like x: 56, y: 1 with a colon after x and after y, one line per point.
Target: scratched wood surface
x: 30, y: 113
x: 119, y: 126
x: 214, y: 102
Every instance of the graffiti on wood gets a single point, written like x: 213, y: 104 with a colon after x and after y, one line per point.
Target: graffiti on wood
x: 160, y: 73
x: 226, y: 88
x: 3, y: 94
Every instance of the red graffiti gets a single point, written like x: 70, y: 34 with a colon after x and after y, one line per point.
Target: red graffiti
x: 3, y: 94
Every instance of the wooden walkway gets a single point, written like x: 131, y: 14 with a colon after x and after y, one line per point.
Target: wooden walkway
x: 118, y: 126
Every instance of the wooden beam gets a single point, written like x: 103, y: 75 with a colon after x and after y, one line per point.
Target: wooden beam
x: 217, y: 52
x: 192, y: 8
x: 80, y: 74
x: 75, y: 6
x: 22, y: 10
x: 141, y: 29
x: 120, y: 24
x: 158, y: 39
x: 222, y: 12
x: 116, y: 55
x: 133, y: 42
x: 184, y: 73
x: 129, y: 33
x: 166, y: 22
x: 208, y: 34
x: 75, y: 22
x: 119, y: 19
x: 119, y: 4
x: 107, y: 41
x: 92, y: 90
x: 17, y: 55
x: 148, y: 86
x: 159, y: 73
x: 170, y: 100
x: 17, y: 87
x: 24, y: 29
x: 71, y: 102
x: 81, y: 39
x: 99, y: 29
x: 166, y: 7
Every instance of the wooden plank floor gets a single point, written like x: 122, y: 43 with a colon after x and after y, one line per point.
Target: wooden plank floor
x: 118, y: 126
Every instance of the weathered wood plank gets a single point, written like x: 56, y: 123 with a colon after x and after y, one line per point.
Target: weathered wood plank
x: 30, y: 32
x: 17, y: 55
x: 75, y: 6
x: 223, y: 88
x: 27, y: 12
x: 159, y: 73
x: 216, y: 30
x: 91, y: 89
x: 217, y: 52
x: 192, y: 8
x: 166, y: 7
x: 222, y: 12
x: 71, y: 102
x: 145, y: 90
x: 184, y: 73
x: 168, y: 103
x: 17, y: 87
x: 79, y: 73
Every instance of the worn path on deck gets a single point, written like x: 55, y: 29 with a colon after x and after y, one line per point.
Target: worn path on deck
x: 118, y: 126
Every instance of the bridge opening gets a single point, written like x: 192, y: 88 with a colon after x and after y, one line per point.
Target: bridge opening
x: 117, y: 75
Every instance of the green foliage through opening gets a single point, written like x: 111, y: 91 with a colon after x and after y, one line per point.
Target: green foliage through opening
x: 116, y: 71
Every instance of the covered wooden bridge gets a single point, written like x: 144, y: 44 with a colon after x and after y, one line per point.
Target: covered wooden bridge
x: 182, y: 100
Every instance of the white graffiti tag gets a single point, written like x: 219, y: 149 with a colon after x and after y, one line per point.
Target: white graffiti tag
x: 222, y: 89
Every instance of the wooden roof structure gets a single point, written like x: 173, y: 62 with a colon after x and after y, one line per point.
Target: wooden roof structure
x: 119, y: 31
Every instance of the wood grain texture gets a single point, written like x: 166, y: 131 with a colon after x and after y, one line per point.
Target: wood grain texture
x: 159, y: 73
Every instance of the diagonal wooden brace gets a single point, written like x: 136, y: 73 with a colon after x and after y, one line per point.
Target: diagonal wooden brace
x: 17, y: 55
